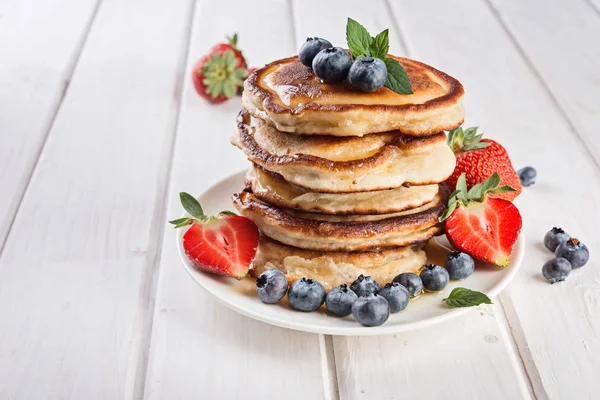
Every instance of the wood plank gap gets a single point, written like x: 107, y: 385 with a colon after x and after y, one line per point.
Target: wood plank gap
x: 518, y: 358
x: 293, y: 14
x: 140, y: 349
x: 328, y: 367
x: 594, y: 6
x: 585, y: 148
x: 405, y: 45
x: 71, y: 66
x: 517, y: 336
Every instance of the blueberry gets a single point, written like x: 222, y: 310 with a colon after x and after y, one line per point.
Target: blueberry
x: 556, y: 270
x: 306, y: 295
x: 459, y: 265
x: 574, y: 251
x: 311, y: 48
x: 411, y: 281
x: 434, y: 277
x: 554, y: 237
x: 527, y: 176
x: 367, y: 74
x: 271, y: 286
x: 364, y: 285
x: 332, y: 64
x: 371, y: 310
x: 339, y: 300
x: 396, y: 295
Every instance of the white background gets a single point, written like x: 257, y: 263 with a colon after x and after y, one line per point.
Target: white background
x: 100, y: 128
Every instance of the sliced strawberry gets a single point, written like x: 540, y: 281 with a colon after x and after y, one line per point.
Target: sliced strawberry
x: 479, y: 158
x: 483, y: 227
x: 223, y: 245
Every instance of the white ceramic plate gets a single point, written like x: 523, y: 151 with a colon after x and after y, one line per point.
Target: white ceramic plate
x: 426, y: 310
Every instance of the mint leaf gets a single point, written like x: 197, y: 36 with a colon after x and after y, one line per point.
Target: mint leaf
x: 380, y: 45
x: 358, y: 39
x: 191, y: 205
x: 463, y: 297
x: 397, y: 78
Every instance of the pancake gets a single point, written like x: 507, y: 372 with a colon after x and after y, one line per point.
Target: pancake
x: 331, y: 269
x: 272, y: 188
x: 293, y: 99
x: 306, y: 232
x: 344, y: 165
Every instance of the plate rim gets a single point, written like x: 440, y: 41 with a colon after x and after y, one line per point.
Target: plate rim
x: 358, y: 330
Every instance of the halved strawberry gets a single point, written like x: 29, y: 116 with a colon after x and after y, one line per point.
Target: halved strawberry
x: 224, y: 244
x: 483, y: 227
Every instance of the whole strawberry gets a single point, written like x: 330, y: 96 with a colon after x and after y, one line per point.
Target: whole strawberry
x: 224, y: 244
x: 219, y: 75
x: 486, y: 228
x: 480, y: 158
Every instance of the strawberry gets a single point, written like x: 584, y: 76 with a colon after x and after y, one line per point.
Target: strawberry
x: 224, y: 244
x: 218, y: 75
x: 478, y: 159
x: 482, y: 226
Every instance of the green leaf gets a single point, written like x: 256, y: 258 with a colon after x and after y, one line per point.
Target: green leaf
x: 451, y: 207
x: 358, y: 39
x: 191, y: 205
x: 226, y: 212
x: 476, y: 192
x: 397, y: 78
x: 233, y: 39
x: 461, y: 188
x: 491, y: 183
x: 463, y: 297
x: 180, y: 221
x: 503, y: 189
x: 380, y: 45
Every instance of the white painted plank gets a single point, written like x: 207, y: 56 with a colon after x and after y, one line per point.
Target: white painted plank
x: 76, y: 267
x: 554, y: 325
x: 564, y: 50
x: 410, y: 365
x: 38, y: 55
x: 200, y: 348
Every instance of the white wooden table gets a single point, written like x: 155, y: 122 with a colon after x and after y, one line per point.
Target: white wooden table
x: 100, y: 128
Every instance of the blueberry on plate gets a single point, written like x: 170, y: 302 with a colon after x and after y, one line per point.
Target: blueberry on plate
x: 371, y: 310
x: 367, y: 74
x: 396, y: 295
x: 556, y: 270
x: 527, y: 176
x: 459, y: 265
x: 434, y: 277
x: 554, y: 237
x: 306, y: 295
x: 271, y: 286
x: 364, y: 285
x: 332, y: 64
x: 573, y: 251
x: 339, y: 300
x: 311, y: 48
x: 411, y: 281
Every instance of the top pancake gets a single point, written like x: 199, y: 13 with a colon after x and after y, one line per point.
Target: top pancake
x: 292, y: 98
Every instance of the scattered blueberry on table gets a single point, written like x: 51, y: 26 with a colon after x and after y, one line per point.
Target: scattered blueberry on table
x: 364, y: 285
x: 411, y: 281
x: 459, y: 265
x: 554, y: 237
x: 527, y: 176
x: 271, y: 286
x: 396, y: 295
x: 306, y: 295
x: 574, y: 251
x: 371, y: 310
x: 311, y: 48
x: 556, y: 270
x: 339, y: 300
x: 434, y: 277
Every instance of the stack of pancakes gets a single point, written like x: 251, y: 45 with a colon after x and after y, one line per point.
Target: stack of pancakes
x: 343, y: 182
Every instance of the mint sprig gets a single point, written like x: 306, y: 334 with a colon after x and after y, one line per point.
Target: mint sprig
x: 463, y: 297
x: 193, y: 207
x: 362, y: 44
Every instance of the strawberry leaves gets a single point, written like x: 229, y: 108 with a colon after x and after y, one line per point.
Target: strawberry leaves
x: 222, y: 76
x: 193, y: 207
x: 463, y: 297
x: 477, y: 194
x: 362, y: 44
x: 461, y: 140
